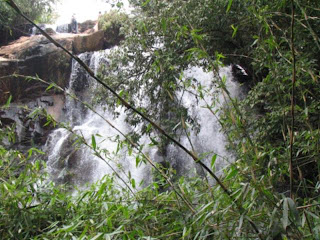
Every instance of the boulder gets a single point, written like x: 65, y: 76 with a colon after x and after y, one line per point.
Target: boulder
x: 239, y: 73
x: 88, y: 43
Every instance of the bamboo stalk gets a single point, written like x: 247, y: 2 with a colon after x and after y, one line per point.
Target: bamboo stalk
x: 292, y: 99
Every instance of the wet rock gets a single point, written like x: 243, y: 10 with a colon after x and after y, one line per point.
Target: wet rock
x: 50, y: 31
x: 31, y: 130
x: 239, y: 73
x: 66, y: 163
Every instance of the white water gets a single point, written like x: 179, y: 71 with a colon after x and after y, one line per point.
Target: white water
x: 76, y: 163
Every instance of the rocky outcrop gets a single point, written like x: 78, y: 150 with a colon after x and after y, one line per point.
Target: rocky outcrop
x: 37, y: 56
x: 88, y: 43
x: 13, y: 33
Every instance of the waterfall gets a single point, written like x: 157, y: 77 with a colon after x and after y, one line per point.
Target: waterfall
x: 69, y: 161
x: 49, y: 28
x: 209, y: 141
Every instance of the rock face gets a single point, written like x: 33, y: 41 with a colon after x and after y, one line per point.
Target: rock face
x: 31, y: 129
x: 37, y: 56
x: 15, y: 33
x: 88, y: 43
x: 32, y: 56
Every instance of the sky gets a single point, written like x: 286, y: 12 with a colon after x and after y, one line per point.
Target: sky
x: 83, y: 9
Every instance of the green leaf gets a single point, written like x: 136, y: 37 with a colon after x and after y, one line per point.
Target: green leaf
x: 235, y: 30
x: 232, y: 172
x: 8, y: 102
x: 312, y: 214
x: 133, y: 183
x: 84, y: 232
x: 285, y: 214
x: 119, y: 4
x: 149, y: 126
x: 164, y: 24
x: 130, y: 150
x: 138, y: 161
x: 145, y: 3
x: 294, y: 211
x: 97, y: 236
x: 31, y: 150
x: 229, y: 5
x: 213, y: 161
x: 50, y: 86
x: 154, y: 142
x: 94, y: 144
x: 121, y: 93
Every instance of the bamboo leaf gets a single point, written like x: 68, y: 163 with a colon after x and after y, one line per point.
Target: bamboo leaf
x: 8, y: 102
x: 213, y: 161
x: 138, y: 161
x: 145, y: 3
x: 97, y: 236
x: 229, y: 5
x: 133, y: 183
x: 50, y: 86
x: 164, y: 24
x: 294, y: 211
x: 94, y: 144
x: 232, y: 172
x: 285, y: 215
x: 235, y: 30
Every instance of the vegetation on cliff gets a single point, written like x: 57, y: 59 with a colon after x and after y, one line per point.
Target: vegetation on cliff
x: 271, y: 191
x: 12, y: 26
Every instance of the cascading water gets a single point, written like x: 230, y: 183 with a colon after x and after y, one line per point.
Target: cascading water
x: 77, y: 163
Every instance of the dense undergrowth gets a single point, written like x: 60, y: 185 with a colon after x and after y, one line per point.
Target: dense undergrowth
x: 272, y: 188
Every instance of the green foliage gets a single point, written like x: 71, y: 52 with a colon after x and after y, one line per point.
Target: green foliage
x: 36, y: 10
x: 34, y: 208
x: 267, y: 109
x: 111, y: 20
x: 165, y: 38
x: 13, y: 26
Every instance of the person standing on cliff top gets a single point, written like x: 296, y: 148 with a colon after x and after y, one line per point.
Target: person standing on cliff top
x: 74, y: 24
